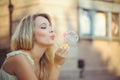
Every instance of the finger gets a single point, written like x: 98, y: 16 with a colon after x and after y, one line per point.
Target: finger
x: 65, y: 51
x: 66, y: 54
x: 62, y: 50
x: 58, y: 52
x: 59, y: 49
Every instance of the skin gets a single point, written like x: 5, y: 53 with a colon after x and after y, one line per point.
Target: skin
x: 21, y: 67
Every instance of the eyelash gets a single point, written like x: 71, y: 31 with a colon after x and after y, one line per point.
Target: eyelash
x: 43, y: 27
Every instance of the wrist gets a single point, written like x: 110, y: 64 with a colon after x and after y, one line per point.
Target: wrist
x: 58, y: 66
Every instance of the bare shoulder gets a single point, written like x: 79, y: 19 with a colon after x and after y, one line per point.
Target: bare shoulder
x: 19, y: 60
x: 12, y: 62
x: 21, y: 67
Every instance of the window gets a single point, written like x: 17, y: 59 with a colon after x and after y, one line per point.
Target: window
x: 92, y: 24
x: 115, y: 26
x: 85, y: 23
x: 100, y: 24
x: 99, y: 20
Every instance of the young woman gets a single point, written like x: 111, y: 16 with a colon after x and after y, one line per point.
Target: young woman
x: 33, y: 56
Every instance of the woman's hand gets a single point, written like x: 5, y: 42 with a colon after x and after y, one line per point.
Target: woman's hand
x: 59, y: 59
x: 61, y: 54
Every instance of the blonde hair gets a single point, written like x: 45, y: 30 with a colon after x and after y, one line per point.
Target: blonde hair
x: 23, y: 39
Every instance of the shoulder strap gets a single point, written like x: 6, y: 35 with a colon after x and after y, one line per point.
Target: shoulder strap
x: 13, y: 53
x: 21, y: 52
x: 29, y: 57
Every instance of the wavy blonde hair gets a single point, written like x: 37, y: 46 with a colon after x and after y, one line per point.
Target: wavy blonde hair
x: 23, y: 39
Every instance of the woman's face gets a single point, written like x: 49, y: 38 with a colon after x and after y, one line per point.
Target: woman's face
x: 43, y: 32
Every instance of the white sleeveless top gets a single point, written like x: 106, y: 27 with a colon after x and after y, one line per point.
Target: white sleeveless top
x: 6, y: 76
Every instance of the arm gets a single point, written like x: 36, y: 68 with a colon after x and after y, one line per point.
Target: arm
x: 60, y: 57
x: 54, y: 72
x: 23, y: 68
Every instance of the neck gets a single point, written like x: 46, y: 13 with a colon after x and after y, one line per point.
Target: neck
x: 37, y: 52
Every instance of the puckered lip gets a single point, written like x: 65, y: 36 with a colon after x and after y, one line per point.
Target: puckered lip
x: 52, y: 37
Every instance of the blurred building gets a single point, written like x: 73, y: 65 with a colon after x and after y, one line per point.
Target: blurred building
x: 97, y: 23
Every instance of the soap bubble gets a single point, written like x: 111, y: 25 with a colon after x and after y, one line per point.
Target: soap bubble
x: 71, y: 38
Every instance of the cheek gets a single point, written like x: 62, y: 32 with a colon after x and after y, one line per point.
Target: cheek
x: 41, y: 33
x: 41, y: 36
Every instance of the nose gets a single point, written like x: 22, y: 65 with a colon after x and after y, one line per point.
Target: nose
x: 51, y: 30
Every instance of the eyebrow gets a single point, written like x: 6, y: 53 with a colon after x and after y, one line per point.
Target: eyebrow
x: 45, y: 24
x: 42, y: 23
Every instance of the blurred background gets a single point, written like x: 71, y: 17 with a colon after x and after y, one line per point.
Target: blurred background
x: 96, y: 56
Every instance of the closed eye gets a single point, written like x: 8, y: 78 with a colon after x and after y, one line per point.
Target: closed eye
x: 43, y: 27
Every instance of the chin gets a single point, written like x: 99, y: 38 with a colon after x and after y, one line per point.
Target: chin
x: 50, y: 44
